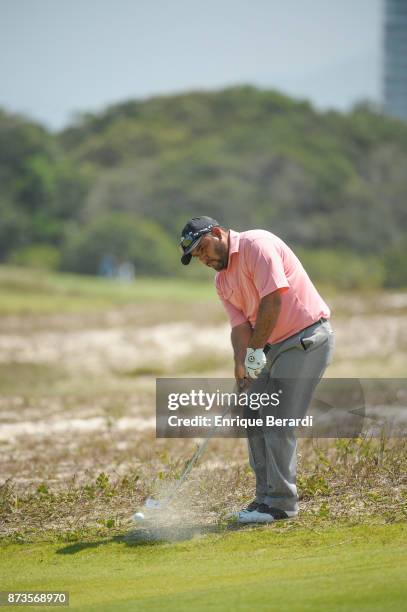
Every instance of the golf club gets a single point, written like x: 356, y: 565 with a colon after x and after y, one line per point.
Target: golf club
x: 154, y: 504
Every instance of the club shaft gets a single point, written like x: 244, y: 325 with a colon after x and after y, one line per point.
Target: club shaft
x: 198, y: 453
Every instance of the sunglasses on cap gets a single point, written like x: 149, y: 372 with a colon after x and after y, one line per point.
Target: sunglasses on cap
x: 189, y: 238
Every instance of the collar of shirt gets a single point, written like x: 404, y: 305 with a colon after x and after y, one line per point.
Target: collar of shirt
x: 234, y: 241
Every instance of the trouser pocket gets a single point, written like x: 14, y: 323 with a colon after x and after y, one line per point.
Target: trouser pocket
x: 313, y: 339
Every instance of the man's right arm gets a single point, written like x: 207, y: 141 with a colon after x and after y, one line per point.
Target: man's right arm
x: 241, y: 333
x: 240, y: 337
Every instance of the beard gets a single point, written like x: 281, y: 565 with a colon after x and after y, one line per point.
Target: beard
x: 222, y: 257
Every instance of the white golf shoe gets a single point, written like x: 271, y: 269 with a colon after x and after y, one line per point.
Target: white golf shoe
x: 263, y: 514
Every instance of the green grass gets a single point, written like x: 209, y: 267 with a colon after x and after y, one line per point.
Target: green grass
x: 26, y: 291
x: 31, y: 291
x: 284, y: 569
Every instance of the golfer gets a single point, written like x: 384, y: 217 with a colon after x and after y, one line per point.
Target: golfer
x: 281, y: 338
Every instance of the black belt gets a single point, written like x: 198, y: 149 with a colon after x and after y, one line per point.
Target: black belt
x: 268, y: 346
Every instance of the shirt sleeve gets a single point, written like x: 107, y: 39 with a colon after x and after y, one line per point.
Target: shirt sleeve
x: 236, y: 316
x: 266, y: 266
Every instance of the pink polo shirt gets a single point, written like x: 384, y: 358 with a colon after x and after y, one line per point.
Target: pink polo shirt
x: 261, y: 263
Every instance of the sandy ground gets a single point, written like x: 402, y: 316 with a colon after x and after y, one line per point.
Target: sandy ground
x: 78, y: 392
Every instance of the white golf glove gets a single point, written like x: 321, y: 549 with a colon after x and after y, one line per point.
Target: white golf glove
x: 254, y: 362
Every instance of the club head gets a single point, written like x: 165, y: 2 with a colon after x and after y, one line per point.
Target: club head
x: 153, y: 504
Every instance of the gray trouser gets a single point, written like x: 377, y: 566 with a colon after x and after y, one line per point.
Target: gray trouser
x: 294, y: 366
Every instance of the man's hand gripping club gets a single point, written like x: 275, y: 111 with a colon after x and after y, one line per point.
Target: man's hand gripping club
x: 248, y: 343
x: 254, y: 362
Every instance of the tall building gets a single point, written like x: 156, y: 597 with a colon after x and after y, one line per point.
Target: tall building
x: 395, y: 58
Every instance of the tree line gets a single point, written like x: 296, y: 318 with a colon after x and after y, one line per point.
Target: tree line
x: 122, y: 183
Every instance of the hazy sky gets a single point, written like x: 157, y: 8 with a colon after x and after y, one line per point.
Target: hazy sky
x: 62, y: 56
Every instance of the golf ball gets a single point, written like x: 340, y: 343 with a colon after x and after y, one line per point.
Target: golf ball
x: 138, y: 516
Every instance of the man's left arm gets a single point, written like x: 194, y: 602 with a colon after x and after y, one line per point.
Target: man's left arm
x: 265, y: 266
x: 267, y: 316
x: 269, y: 310
x: 265, y: 263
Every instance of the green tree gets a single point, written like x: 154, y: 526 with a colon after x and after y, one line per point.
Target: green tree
x: 123, y: 237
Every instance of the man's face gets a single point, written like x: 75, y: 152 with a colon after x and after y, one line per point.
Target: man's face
x: 213, y: 251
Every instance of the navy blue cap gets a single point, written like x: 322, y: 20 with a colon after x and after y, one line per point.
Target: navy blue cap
x: 192, y: 235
